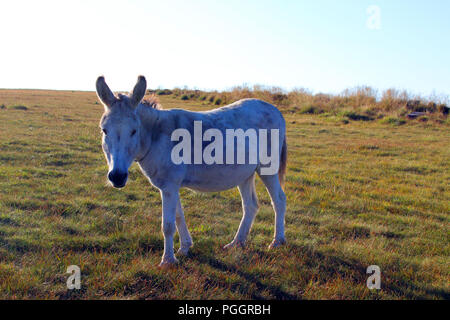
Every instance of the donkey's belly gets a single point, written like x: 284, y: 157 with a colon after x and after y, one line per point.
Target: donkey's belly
x: 217, y: 178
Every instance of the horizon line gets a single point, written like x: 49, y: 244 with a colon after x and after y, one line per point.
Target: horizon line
x: 410, y: 92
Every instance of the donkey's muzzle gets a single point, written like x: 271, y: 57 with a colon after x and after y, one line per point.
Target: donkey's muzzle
x: 117, y: 178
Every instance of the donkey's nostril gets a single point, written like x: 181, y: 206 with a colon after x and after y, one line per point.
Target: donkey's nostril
x: 117, y: 178
x: 122, y: 176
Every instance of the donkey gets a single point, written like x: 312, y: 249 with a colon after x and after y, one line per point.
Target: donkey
x: 137, y: 131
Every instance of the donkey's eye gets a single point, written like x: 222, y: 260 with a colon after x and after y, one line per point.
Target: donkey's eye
x: 105, y: 132
x: 133, y: 132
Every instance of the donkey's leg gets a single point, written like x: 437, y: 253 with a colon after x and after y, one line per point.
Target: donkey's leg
x: 279, y: 205
x: 170, y: 199
x: 185, y: 237
x: 250, y: 207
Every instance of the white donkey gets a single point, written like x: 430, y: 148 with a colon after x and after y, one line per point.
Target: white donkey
x: 142, y: 132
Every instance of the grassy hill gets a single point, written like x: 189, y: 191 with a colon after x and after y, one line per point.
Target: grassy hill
x: 359, y: 193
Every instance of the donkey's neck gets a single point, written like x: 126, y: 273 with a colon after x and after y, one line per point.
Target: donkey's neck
x: 148, y: 117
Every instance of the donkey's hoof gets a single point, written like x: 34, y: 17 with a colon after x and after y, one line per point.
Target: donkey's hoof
x: 234, y: 244
x: 277, y: 243
x: 183, y: 251
x: 168, y: 263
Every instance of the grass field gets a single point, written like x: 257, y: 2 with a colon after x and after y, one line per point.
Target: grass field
x: 359, y: 193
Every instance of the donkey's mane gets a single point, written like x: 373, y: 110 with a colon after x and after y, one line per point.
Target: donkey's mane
x: 150, y: 101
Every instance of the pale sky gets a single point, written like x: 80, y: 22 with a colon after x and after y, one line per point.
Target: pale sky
x: 323, y: 45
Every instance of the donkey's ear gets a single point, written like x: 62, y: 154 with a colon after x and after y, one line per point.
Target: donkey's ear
x: 138, y: 91
x: 104, y: 93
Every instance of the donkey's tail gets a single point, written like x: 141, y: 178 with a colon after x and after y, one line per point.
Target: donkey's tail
x: 283, y: 161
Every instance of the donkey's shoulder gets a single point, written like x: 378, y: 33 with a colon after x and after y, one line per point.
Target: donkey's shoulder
x: 180, y: 118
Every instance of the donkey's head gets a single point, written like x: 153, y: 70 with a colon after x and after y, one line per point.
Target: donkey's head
x: 120, y: 125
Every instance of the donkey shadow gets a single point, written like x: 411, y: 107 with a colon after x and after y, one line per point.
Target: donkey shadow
x: 330, y: 266
x: 247, y: 277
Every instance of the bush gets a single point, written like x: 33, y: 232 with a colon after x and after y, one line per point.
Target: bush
x: 184, y: 97
x: 393, y: 121
x: 371, y: 112
x: 164, y: 92
x: 309, y: 109
x: 176, y: 92
x: 443, y: 109
x: 431, y: 107
x: 218, y: 101
x: 417, y: 106
x: 356, y: 116
x: 18, y: 107
x: 279, y: 97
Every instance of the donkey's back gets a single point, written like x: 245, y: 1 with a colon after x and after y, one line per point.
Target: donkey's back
x: 244, y: 114
x: 249, y: 113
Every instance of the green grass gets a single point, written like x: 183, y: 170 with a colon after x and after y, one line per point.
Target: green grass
x: 359, y: 193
